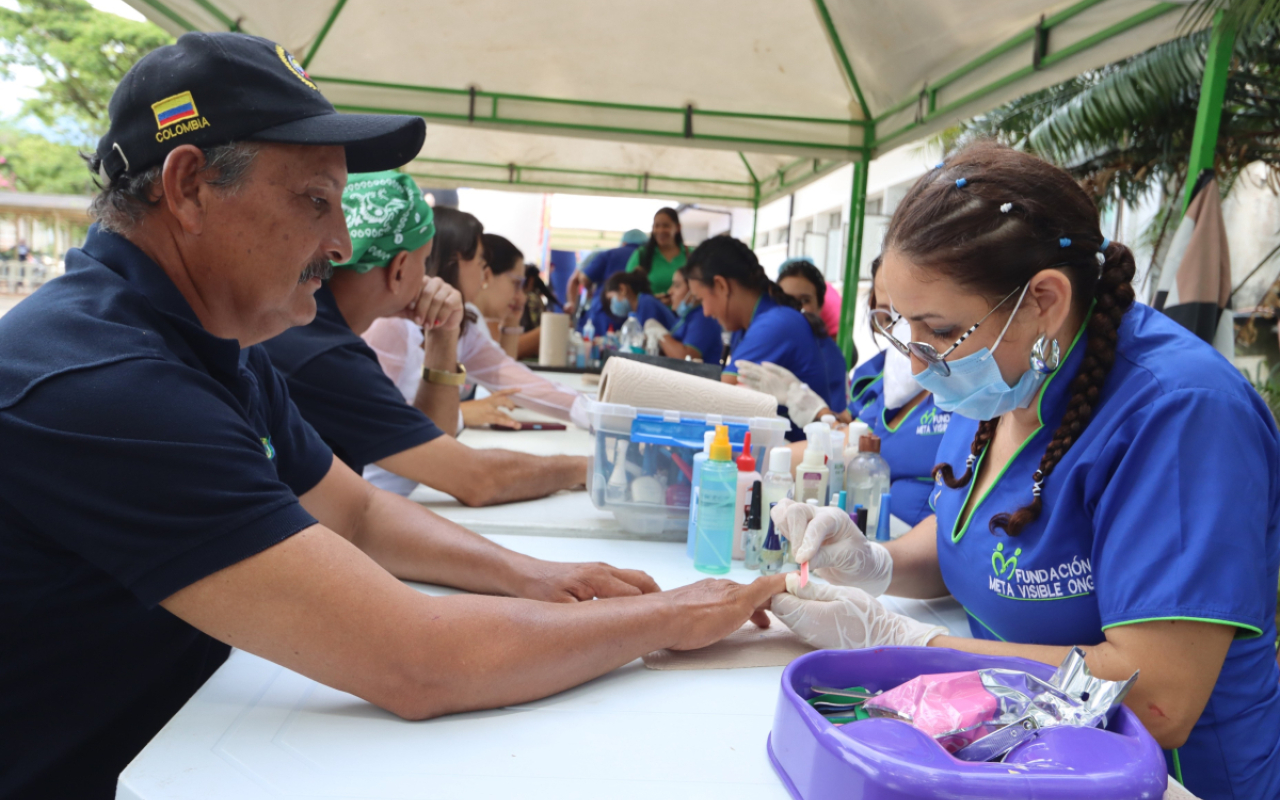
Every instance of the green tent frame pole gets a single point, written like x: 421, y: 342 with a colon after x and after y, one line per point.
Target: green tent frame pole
x: 1213, y: 89
x: 853, y: 258
x: 755, y: 219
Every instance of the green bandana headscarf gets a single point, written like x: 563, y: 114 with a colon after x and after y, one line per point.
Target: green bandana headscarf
x: 386, y: 213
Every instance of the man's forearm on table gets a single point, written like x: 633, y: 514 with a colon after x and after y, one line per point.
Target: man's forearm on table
x: 529, y: 649
x: 521, y: 476
x: 414, y: 543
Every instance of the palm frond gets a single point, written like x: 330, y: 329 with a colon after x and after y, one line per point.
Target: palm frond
x: 1125, y: 129
x: 1241, y: 14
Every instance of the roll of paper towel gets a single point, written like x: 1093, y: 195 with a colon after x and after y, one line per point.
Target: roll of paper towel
x: 632, y: 383
x: 553, y: 341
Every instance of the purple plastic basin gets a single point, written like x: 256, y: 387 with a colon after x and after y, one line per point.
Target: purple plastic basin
x: 885, y: 759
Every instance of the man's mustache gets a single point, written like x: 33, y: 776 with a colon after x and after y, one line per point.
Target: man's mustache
x: 321, y: 268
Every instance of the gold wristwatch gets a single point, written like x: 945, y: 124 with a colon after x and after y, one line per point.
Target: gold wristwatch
x: 442, y: 378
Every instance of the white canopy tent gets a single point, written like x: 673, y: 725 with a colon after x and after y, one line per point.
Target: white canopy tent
x: 729, y: 101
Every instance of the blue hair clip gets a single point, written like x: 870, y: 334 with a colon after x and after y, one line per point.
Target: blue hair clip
x: 1064, y: 242
x: 1105, y: 243
x: 940, y: 165
x: 960, y: 183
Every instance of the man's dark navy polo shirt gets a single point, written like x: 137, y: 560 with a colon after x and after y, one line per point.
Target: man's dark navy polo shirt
x: 335, y: 379
x: 141, y: 454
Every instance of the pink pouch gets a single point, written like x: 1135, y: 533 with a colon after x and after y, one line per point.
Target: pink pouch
x: 954, y: 707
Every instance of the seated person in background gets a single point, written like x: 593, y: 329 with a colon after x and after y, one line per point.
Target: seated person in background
x: 595, y: 273
x: 866, y: 384
x: 695, y: 334
x: 902, y: 413
x: 538, y: 296
x: 338, y: 386
x: 164, y: 500
x: 628, y: 295
x: 802, y: 280
x: 458, y: 258
x: 502, y: 299
x: 765, y: 321
x: 866, y: 381
x: 825, y: 301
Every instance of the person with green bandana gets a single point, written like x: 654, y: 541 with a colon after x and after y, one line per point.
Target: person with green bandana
x: 663, y: 254
x: 335, y: 379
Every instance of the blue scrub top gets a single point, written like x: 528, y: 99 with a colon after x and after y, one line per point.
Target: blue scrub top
x: 649, y: 307
x: 338, y: 385
x: 911, y: 450
x: 781, y: 335
x: 1166, y: 507
x: 867, y: 383
x: 695, y: 329
x: 837, y: 387
x: 599, y: 270
x: 142, y: 453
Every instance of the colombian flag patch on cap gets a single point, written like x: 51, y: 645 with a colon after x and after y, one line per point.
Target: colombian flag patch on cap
x: 174, y: 109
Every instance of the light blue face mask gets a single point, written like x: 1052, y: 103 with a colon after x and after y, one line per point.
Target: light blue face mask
x: 976, y: 389
x: 684, y: 308
x: 619, y: 307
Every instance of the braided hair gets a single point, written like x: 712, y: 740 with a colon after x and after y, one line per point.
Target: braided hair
x: 733, y: 260
x: 647, y: 249
x: 990, y: 219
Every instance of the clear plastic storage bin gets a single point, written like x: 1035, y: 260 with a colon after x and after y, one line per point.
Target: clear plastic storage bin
x: 649, y: 493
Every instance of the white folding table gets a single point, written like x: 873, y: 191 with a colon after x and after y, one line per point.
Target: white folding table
x: 257, y: 730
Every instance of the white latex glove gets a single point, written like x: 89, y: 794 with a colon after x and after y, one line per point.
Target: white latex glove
x: 654, y: 328
x: 768, y: 378
x: 834, y: 547
x: 803, y: 404
x: 846, y: 618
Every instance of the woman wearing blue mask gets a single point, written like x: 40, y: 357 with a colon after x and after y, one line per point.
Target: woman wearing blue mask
x: 903, y: 414
x: 867, y: 380
x: 628, y: 293
x: 1108, y: 480
x: 694, y: 335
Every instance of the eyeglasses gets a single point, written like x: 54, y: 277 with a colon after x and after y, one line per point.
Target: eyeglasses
x: 884, y: 322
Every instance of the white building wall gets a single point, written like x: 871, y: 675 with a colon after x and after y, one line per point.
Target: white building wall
x: 516, y: 215
x: 820, y: 223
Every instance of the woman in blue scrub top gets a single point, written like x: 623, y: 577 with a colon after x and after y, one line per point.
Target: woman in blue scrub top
x: 628, y: 293
x: 902, y: 413
x: 837, y: 368
x: 695, y: 334
x: 766, y: 323
x: 1108, y: 480
x: 865, y: 382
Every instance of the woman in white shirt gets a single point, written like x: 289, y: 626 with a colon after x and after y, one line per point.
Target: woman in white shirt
x: 459, y: 258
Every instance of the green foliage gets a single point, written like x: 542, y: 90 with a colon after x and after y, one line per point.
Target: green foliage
x: 1265, y: 381
x: 82, y: 54
x: 31, y: 163
x: 1125, y: 129
x: 1241, y: 14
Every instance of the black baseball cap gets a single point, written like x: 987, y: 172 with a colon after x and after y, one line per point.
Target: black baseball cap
x: 210, y: 89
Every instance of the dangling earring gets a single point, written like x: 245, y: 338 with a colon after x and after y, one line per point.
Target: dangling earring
x: 1045, y: 355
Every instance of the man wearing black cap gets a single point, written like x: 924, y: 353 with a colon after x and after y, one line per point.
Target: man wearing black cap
x: 160, y: 497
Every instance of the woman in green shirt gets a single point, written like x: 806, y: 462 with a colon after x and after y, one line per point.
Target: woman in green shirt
x: 663, y: 254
